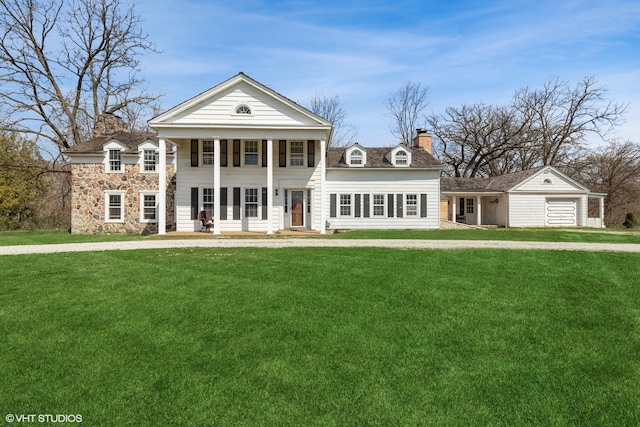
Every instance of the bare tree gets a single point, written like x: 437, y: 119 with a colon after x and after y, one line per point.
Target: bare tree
x: 406, y: 109
x: 332, y: 109
x: 64, y: 63
x: 613, y: 169
x: 561, y: 117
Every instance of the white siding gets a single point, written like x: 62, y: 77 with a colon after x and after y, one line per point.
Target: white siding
x: 367, y: 181
x: 530, y: 210
x: 548, y: 181
x: 220, y: 110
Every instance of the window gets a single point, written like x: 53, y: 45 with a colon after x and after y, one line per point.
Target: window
x: 411, y: 205
x: 251, y: 202
x: 356, y: 157
x: 401, y: 158
x: 243, y: 109
x: 207, y: 152
x: 345, y: 205
x: 297, y: 153
x: 149, y: 161
x: 149, y: 208
x: 114, y: 208
x: 207, y: 200
x: 547, y: 181
x: 251, y: 152
x: 115, y: 162
x: 469, y: 206
x: 378, y: 205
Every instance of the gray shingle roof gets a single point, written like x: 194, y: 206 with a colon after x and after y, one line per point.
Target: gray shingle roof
x: 130, y: 139
x: 420, y: 159
x: 498, y: 183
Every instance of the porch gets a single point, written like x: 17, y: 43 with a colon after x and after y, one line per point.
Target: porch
x: 487, y: 209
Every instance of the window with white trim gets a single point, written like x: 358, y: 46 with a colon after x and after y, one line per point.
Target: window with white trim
x: 411, y: 205
x: 114, y: 206
x: 251, y: 152
x: 115, y: 161
x: 149, y: 208
x: 207, y: 200
x: 149, y: 161
x: 379, y: 205
x: 207, y: 152
x: 243, y: 109
x: 469, y: 206
x: 345, y: 205
x: 356, y: 158
x: 401, y: 158
x: 296, y: 154
x: 250, y: 202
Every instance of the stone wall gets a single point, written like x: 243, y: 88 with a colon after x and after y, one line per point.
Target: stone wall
x: 88, y: 185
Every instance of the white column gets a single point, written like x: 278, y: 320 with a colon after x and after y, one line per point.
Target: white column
x: 323, y: 194
x: 479, y: 215
x: 454, y: 209
x: 601, y: 199
x: 162, y: 187
x: 216, y: 186
x: 270, y: 190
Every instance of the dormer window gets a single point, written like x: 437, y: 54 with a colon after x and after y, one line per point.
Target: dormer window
x: 243, y: 109
x: 356, y: 158
x: 401, y: 158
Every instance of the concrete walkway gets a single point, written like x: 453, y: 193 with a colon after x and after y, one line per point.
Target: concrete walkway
x: 296, y: 242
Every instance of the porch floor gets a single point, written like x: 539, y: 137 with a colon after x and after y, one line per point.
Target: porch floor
x: 287, y: 233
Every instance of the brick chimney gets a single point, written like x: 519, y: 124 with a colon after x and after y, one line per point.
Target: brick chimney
x: 422, y: 139
x: 108, y: 124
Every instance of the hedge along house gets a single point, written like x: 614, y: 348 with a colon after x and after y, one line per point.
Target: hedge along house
x: 538, y: 197
x: 257, y: 161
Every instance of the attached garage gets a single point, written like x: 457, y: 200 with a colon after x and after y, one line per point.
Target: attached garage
x: 561, y: 212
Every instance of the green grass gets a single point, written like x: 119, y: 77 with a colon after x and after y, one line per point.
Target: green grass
x: 522, y: 234
x: 319, y: 336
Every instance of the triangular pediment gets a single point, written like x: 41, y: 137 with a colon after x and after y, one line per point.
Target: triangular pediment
x: 239, y: 102
x: 549, y: 179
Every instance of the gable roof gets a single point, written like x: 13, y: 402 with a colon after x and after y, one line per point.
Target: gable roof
x: 130, y: 139
x: 376, y: 158
x: 501, y: 183
x: 182, y: 108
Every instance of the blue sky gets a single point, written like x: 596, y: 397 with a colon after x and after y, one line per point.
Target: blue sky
x: 464, y: 51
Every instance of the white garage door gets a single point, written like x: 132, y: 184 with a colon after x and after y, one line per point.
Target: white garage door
x: 561, y: 212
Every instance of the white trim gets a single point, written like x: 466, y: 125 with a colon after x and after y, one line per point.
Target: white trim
x: 142, y: 218
x: 107, y: 206
x: 216, y: 183
x: 270, y: 190
x: 162, y: 187
x: 323, y: 190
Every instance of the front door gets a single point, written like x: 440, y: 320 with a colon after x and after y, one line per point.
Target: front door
x: 297, y: 208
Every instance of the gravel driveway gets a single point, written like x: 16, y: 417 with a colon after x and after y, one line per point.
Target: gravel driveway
x: 297, y: 242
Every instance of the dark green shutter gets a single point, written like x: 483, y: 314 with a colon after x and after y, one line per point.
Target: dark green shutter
x: 400, y: 204
x: 311, y: 153
x: 223, y: 152
x: 390, y: 205
x: 282, y: 153
x: 236, y: 202
x: 194, y: 152
x: 236, y: 152
x: 264, y: 153
x: 423, y: 205
x: 357, y: 206
x: 194, y: 203
x: 332, y: 205
x: 223, y: 203
x: 264, y: 202
x: 367, y: 208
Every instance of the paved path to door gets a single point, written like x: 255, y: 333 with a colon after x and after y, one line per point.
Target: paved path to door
x: 293, y: 242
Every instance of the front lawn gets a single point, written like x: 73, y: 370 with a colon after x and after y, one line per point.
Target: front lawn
x: 322, y: 336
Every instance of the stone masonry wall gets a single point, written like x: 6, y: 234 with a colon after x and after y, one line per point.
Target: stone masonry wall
x: 88, y: 185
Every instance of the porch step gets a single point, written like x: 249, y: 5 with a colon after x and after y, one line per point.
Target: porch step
x: 450, y: 225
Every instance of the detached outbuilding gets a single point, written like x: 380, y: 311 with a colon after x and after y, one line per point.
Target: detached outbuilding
x: 538, y: 197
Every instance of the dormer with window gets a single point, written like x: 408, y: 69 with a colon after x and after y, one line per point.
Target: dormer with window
x: 400, y: 156
x: 356, y: 156
x: 148, y: 160
x: 113, y: 156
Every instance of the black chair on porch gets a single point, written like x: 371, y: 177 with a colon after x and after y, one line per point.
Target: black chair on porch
x: 206, y: 220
